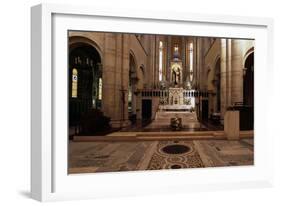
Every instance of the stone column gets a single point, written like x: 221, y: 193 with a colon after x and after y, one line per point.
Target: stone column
x: 202, y: 76
x: 223, y: 76
x: 186, y: 60
x: 197, y: 55
x: 125, y: 79
x: 228, y: 74
x: 183, y: 59
x: 189, y: 40
x: 168, y: 58
x: 231, y: 125
x: 236, y: 72
x: 156, y: 69
x: 116, y: 119
x: 108, y: 75
x: 115, y: 76
x: 151, y: 62
x: 194, y: 60
x: 134, y: 100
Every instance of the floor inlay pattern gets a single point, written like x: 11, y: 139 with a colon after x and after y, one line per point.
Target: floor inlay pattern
x: 91, y: 157
x: 181, y: 155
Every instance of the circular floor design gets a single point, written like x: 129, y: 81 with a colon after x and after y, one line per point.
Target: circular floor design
x: 176, y: 149
x: 175, y: 155
x: 176, y: 167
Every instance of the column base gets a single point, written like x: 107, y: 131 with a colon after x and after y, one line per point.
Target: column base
x: 120, y: 123
x: 232, y: 125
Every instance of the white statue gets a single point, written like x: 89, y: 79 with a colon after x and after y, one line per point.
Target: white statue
x: 176, y: 76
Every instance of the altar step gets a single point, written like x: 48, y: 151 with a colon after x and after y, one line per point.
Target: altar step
x: 160, y: 136
x: 163, y: 120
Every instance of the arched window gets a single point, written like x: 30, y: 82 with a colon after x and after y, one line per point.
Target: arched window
x: 132, y: 86
x: 74, y: 83
x: 191, y: 61
x: 160, y: 61
x: 100, y: 89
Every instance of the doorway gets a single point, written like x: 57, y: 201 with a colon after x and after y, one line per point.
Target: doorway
x: 146, y: 109
x: 205, y: 109
x: 84, y: 81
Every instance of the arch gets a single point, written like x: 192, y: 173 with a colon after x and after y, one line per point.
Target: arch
x: 248, y: 80
x: 217, y: 66
x: 76, y: 41
x: 85, y: 66
x: 132, y: 87
x: 142, y: 70
x: 218, y: 57
x: 133, y: 72
x: 208, y: 70
x: 134, y: 59
x: 247, y: 54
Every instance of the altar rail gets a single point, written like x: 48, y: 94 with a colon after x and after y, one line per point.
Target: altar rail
x: 165, y: 93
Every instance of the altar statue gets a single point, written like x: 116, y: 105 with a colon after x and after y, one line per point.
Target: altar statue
x: 176, y: 76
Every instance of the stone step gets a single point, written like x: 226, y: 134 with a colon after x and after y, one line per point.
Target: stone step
x: 178, y: 133
x: 157, y: 136
x: 141, y: 138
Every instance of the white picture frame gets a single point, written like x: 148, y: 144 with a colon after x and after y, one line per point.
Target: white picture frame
x: 49, y: 178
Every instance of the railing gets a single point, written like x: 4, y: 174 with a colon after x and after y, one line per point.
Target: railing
x: 165, y: 93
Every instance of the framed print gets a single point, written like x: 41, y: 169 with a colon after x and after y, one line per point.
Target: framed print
x: 136, y: 103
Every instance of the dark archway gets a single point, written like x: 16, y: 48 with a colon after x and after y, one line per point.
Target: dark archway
x: 85, y: 81
x: 132, y: 89
x: 248, y: 83
x: 217, y: 84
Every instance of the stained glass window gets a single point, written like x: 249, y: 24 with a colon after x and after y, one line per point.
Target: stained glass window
x: 160, y: 60
x: 100, y: 89
x: 191, y: 61
x: 74, y: 83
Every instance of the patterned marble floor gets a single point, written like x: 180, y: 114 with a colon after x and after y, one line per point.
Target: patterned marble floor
x: 90, y: 157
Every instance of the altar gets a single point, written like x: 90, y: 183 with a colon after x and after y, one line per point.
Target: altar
x: 178, y: 101
x: 175, y: 107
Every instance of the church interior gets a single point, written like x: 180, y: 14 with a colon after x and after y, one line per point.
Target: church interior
x: 150, y: 102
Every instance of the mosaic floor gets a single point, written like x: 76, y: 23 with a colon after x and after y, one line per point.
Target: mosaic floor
x: 89, y: 157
